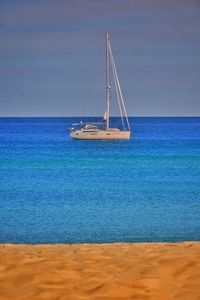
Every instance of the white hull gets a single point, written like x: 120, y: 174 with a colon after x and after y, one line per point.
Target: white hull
x: 100, y: 135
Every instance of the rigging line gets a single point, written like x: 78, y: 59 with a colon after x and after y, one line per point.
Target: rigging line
x: 116, y: 85
x: 117, y: 90
x: 88, y: 92
x: 120, y: 92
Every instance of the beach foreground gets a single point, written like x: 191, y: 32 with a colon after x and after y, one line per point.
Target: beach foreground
x: 100, y: 271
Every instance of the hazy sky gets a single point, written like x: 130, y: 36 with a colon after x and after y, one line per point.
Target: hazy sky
x: 52, y: 59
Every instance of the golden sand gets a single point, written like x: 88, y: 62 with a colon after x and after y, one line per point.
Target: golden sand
x: 151, y: 271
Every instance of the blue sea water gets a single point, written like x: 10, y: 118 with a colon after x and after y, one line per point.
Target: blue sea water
x: 57, y: 190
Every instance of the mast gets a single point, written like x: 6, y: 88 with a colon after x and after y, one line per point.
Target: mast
x: 107, y: 85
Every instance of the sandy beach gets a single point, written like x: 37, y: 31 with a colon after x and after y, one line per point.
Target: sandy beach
x: 100, y: 271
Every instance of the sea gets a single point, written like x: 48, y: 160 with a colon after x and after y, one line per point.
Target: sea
x: 57, y: 190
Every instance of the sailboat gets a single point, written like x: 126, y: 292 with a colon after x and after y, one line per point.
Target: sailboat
x: 103, y: 130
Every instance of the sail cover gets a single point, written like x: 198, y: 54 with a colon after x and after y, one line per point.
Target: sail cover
x: 105, y: 115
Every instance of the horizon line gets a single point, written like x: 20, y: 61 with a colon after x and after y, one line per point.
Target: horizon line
x: 142, y: 116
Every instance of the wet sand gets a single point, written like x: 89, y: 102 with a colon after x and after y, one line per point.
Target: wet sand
x: 151, y: 271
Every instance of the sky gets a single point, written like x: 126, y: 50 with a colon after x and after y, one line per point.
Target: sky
x: 52, y: 56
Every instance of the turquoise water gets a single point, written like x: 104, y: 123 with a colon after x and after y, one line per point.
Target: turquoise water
x: 57, y: 190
